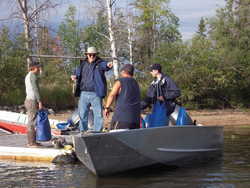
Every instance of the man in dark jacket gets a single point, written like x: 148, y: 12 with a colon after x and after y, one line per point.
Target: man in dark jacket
x: 162, y: 89
x: 91, y: 87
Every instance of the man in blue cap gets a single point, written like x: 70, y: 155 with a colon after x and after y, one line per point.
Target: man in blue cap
x: 162, y: 90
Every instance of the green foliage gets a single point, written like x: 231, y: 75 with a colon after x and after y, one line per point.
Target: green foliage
x: 58, y: 97
x: 94, y: 34
x: 212, y: 69
x: 12, y: 69
x: 156, y: 24
x: 69, y: 32
x: 56, y: 86
x: 202, y: 28
x: 230, y: 32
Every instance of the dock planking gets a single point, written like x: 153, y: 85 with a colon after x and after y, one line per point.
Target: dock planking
x: 14, y: 147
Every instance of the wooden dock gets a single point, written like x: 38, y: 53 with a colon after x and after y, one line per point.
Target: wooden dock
x: 13, y: 147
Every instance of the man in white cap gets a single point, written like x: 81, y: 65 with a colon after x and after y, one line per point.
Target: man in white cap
x: 91, y: 88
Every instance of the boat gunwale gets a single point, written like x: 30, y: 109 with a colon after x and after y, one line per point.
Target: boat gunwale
x: 151, y: 128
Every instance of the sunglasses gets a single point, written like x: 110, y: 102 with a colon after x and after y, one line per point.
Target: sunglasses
x: 91, y: 55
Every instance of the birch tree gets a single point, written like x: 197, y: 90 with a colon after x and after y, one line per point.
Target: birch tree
x: 110, y: 4
x: 26, y: 25
x: 29, y: 14
x: 130, y: 26
x: 130, y: 42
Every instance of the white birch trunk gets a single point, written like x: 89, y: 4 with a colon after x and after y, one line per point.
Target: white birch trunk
x: 28, y: 15
x: 36, y: 30
x: 112, y: 39
x: 130, y: 42
x: 24, y: 9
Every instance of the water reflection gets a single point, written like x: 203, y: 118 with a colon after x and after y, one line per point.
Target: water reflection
x: 230, y: 171
x: 44, y: 175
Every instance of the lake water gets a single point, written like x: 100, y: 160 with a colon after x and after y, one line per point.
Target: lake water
x: 230, y: 171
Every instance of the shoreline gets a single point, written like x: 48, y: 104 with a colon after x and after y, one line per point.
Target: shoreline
x: 227, y: 117
x: 231, y: 118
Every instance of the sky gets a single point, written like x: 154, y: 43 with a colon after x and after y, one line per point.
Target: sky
x: 188, y: 11
x: 191, y: 11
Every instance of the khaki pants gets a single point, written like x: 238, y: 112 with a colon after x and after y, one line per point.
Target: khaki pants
x: 31, y: 107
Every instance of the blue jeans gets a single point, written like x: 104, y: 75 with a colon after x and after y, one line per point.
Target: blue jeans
x: 87, y: 98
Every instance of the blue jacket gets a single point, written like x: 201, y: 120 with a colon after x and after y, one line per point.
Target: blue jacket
x: 99, y: 76
x: 164, y: 87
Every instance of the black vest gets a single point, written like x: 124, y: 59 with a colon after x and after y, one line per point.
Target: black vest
x: 128, y: 102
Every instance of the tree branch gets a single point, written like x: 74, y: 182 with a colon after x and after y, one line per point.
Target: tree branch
x: 21, y: 6
x: 42, y: 7
x: 105, y: 36
x: 112, y: 2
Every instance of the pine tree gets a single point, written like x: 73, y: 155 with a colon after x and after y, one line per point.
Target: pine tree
x: 202, y: 28
x: 156, y: 25
x: 96, y: 33
x: 230, y: 33
x: 69, y: 33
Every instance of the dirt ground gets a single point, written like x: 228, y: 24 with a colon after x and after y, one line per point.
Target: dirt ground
x: 230, y: 118
x: 221, y: 117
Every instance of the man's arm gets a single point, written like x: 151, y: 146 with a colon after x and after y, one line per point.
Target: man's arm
x: 76, y: 73
x: 146, y: 103
x: 36, y: 91
x: 114, y: 92
x: 170, y: 90
x: 106, y: 66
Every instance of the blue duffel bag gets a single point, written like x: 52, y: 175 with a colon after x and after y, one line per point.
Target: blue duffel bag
x: 158, y: 117
x: 183, y: 118
x: 43, y: 130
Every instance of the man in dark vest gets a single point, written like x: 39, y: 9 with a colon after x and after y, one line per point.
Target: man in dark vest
x: 91, y: 88
x: 127, y: 93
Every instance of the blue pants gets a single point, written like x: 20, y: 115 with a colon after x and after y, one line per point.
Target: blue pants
x: 87, y: 98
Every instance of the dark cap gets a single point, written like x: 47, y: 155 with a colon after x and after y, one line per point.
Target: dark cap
x: 35, y: 64
x: 128, y: 68
x: 155, y: 67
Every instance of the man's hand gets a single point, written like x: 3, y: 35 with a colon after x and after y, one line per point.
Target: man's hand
x: 160, y: 98
x: 40, y: 105
x: 73, y: 77
x: 106, y: 112
x: 110, y: 65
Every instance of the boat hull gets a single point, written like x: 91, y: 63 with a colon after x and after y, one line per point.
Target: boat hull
x: 17, y: 123
x: 109, y: 153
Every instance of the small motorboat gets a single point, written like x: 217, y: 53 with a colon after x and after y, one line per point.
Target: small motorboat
x: 17, y: 122
x: 114, y: 152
